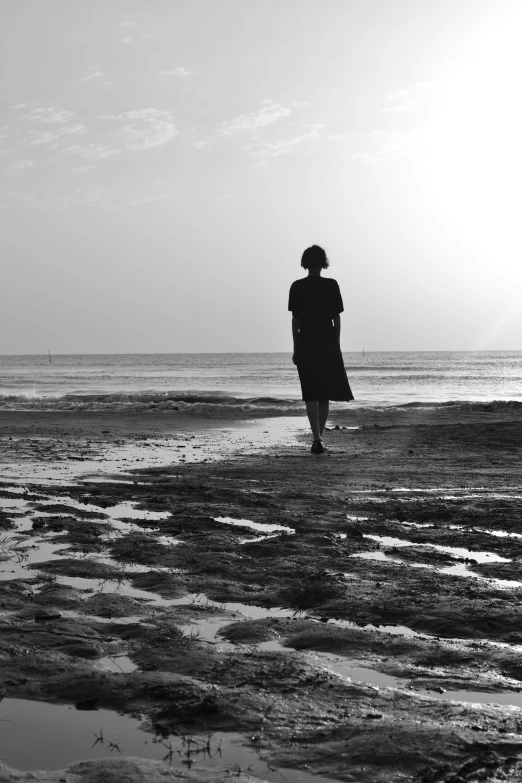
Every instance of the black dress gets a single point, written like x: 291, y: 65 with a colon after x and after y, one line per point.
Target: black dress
x: 315, y: 301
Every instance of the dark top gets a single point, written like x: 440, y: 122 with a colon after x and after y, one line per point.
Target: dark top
x: 315, y: 299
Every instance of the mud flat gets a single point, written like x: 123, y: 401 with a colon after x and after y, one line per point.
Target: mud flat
x: 206, y: 600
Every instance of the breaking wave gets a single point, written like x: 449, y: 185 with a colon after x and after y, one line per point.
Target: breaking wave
x: 220, y: 404
x: 201, y: 404
x: 464, y: 405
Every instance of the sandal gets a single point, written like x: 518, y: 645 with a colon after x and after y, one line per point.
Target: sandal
x: 317, y: 447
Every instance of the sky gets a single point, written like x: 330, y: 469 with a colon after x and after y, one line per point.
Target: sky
x: 164, y: 163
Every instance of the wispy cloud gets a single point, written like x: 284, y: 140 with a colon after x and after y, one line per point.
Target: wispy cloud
x: 97, y: 151
x: 407, y: 98
x: 126, y: 40
x: 37, y: 137
x: 273, y: 149
x: 266, y: 115
x: 46, y: 138
x: 86, y: 169
x: 178, y: 71
x: 73, y: 129
x: 394, y: 142
x: 94, y: 73
x: 45, y: 114
x: 20, y: 165
x: 380, y: 144
x: 200, y: 145
x: 145, y: 128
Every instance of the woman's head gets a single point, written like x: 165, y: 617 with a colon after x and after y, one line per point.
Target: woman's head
x: 314, y: 258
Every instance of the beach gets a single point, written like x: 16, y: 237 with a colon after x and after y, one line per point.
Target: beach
x: 350, y: 616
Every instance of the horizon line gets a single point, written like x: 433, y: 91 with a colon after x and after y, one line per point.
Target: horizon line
x: 246, y: 353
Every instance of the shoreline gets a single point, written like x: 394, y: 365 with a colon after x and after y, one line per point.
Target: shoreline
x: 371, y: 593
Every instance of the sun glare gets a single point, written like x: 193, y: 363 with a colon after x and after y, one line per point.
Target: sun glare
x: 472, y: 152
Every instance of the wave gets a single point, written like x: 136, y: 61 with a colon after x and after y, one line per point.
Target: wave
x: 212, y: 403
x: 464, y: 405
x: 220, y: 404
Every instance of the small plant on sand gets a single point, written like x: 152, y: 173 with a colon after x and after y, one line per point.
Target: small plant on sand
x: 194, y: 635
x: 11, y: 550
x: 312, y: 588
x: 191, y: 747
x: 99, y: 739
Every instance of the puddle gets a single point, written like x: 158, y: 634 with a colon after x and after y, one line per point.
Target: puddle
x: 121, y: 664
x: 124, y: 510
x: 122, y: 587
x: 208, y: 630
x: 480, y: 557
x: 341, y: 666
x: 254, y: 525
x: 102, y: 480
x: 22, y: 552
x: 43, y: 736
x: 511, y: 699
x: 6, y: 504
x: 376, y: 556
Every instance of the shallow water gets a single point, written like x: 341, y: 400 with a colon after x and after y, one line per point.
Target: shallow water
x: 209, y: 445
x: 35, y: 735
x: 254, y: 525
x: 480, y: 557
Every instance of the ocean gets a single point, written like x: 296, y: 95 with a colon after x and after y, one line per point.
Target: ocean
x: 264, y: 383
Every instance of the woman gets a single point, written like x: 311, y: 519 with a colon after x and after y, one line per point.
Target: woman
x: 316, y: 305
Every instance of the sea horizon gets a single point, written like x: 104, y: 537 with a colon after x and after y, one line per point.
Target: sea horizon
x: 235, y: 383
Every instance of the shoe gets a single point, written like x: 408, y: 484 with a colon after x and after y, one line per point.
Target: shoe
x: 317, y: 447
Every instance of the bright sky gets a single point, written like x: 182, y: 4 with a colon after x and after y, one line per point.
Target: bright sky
x: 165, y: 163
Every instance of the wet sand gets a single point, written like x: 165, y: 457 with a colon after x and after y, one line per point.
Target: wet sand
x: 353, y: 616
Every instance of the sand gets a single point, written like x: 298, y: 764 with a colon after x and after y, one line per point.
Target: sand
x: 372, y: 633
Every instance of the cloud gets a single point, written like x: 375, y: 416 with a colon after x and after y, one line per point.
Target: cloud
x: 268, y: 113
x: 73, y: 129
x: 93, y: 74
x: 47, y: 114
x: 394, y: 142
x: 145, y: 128
x: 20, y: 165
x: 407, y: 98
x: 178, y: 71
x: 379, y: 144
x: 126, y: 40
x: 40, y: 137
x: 273, y: 149
x: 4, y: 131
x: 83, y: 169
x: 97, y: 151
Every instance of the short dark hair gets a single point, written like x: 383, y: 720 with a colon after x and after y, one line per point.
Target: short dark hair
x: 314, y: 257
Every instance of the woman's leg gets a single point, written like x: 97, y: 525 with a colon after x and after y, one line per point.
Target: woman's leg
x: 323, y: 407
x: 312, y: 410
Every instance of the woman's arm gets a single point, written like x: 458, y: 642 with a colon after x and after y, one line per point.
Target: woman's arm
x: 337, y: 328
x: 295, y: 332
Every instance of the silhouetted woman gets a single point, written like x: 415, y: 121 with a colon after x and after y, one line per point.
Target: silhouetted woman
x: 316, y: 305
